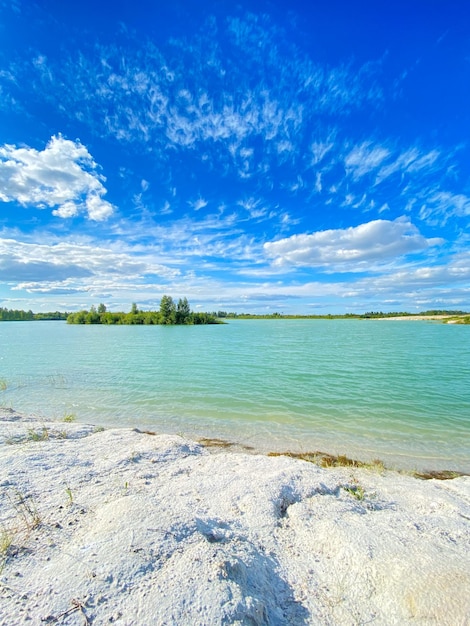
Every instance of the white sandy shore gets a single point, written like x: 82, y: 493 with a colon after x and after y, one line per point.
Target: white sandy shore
x: 415, y: 318
x: 124, y: 527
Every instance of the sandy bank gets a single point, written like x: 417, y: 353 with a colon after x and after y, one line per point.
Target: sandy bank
x: 123, y: 527
x: 415, y: 318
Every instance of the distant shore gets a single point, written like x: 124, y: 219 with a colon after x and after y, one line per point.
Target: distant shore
x: 184, y: 316
x: 121, y: 526
x: 418, y: 318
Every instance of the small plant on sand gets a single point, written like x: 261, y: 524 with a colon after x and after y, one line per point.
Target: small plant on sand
x: 3, y: 384
x: 68, y: 491
x: 357, y: 491
x: 6, y: 541
x: 38, y: 435
x: 26, y: 510
x: 25, y: 520
x: 69, y: 417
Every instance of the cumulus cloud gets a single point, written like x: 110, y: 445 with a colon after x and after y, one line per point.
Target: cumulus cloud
x: 63, y: 177
x: 350, y: 249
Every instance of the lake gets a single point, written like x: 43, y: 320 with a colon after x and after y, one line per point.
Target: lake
x: 394, y: 390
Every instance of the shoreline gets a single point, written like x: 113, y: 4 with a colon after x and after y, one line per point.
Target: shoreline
x: 327, y: 456
x: 325, y: 451
x: 120, y: 526
x: 417, y: 318
x: 325, y: 459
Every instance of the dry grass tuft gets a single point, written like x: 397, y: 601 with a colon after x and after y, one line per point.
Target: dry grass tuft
x: 323, y: 459
x: 214, y: 442
x: 438, y: 475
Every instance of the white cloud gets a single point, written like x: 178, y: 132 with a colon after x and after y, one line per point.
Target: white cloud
x: 320, y: 150
x: 204, y: 94
x: 364, y: 159
x: 350, y: 249
x: 318, y: 183
x: 446, y: 282
x: 409, y: 161
x: 166, y: 208
x: 80, y: 265
x: 198, y: 204
x: 63, y: 177
x: 254, y: 206
x: 442, y: 204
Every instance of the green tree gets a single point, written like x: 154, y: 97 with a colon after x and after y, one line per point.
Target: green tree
x: 77, y: 318
x: 204, y: 318
x: 92, y: 317
x: 167, y: 310
x: 152, y: 317
x: 183, y: 312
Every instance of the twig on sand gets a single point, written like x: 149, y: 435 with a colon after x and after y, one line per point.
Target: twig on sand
x: 76, y: 606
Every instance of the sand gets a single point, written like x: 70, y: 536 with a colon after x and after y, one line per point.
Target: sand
x: 122, y: 527
x: 415, y: 318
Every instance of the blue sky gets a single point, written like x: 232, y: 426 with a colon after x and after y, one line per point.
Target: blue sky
x: 251, y: 156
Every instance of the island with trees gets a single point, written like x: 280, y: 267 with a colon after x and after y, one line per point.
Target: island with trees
x: 170, y: 313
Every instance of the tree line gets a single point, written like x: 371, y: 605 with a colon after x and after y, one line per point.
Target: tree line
x: 170, y: 313
x: 335, y: 316
x: 180, y: 313
x: 17, y: 315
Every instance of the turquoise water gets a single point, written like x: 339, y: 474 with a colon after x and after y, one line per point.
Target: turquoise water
x: 394, y: 390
